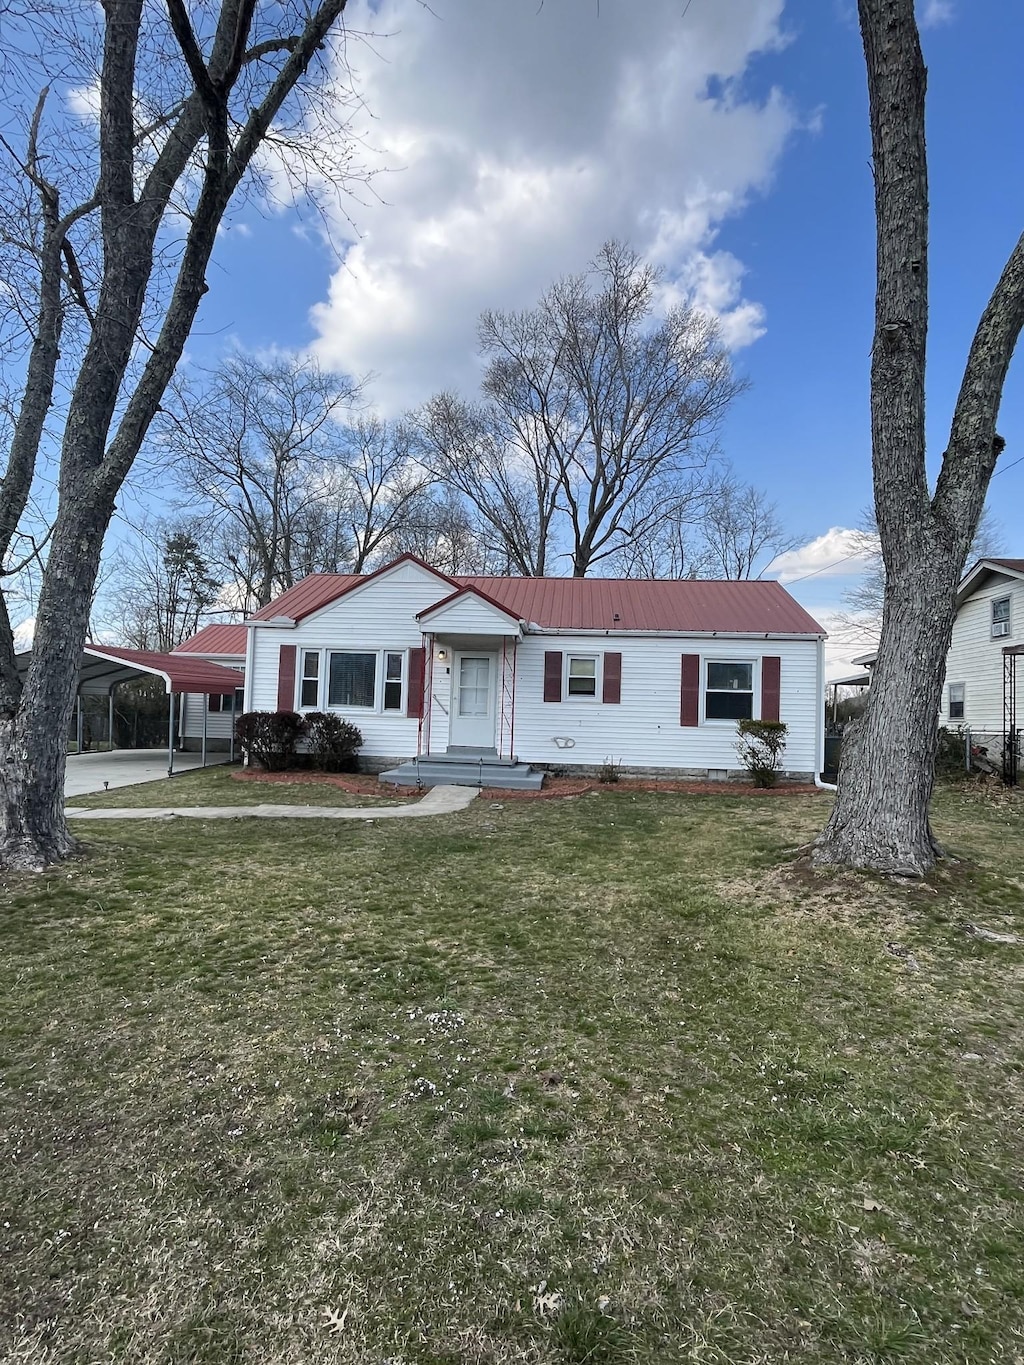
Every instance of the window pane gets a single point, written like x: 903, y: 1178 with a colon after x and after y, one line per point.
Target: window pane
x: 214, y: 701
x: 393, y: 682
x: 582, y: 677
x: 309, y: 692
x: 351, y: 679
x: 956, y: 701
x: 729, y: 705
x: 731, y: 677
x: 1001, y: 609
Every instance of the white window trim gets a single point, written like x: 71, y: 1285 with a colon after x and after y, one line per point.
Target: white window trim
x: 755, y: 689
x: 1008, y: 632
x: 379, y: 679
x: 598, y: 676
x: 301, y: 671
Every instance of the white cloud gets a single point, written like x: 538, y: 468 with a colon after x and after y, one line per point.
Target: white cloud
x: 937, y: 12
x: 516, y: 139
x: 841, y: 551
x: 24, y: 633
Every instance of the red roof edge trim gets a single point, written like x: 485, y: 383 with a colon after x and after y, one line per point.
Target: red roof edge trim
x: 475, y: 592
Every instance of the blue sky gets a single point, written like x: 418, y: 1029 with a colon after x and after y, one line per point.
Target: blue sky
x: 727, y: 140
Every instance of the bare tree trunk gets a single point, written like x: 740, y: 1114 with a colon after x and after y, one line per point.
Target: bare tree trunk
x: 33, y: 740
x: 95, y: 460
x: 880, y: 819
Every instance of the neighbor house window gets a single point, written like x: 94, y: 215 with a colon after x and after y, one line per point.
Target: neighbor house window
x: 392, y: 682
x: 582, y: 676
x: 1000, y: 617
x: 956, y: 701
x: 309, y: 693
x: 729, y: 691
x: 351, y: 679
x: 221, y: 701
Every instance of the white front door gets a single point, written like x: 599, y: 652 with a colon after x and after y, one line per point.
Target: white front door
x: 472, y: 719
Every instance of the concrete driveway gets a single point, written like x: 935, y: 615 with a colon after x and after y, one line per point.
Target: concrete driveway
x: 125, y: 768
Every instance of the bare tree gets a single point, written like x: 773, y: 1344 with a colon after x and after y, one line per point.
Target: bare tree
x: 381, y: 487
x: 880, y: 818
x: 498, y: 462
x: 440, y: 528
x: 597, y: 419
x: 255, y: 445
x: 621, y: 407
x: 108, y: 225
x: 161, y: 588
x: 742, y: 531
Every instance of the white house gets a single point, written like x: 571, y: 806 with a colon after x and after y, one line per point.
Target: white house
x: 554, y: 672
x: 214, y: 713
x: 984, y: 687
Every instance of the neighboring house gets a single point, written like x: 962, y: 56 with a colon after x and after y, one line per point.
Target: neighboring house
x: 984, y: 687
x: 218, y: 644
x: 556, y: 672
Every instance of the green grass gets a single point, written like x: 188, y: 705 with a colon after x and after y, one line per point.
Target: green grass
x: 216, y: 786
x: 576, y: 1081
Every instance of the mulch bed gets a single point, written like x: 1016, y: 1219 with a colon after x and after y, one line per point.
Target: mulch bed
x: 555, y: 787
x: 357, y: 784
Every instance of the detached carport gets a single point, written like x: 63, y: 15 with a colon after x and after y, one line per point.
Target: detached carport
x: 103, y: 668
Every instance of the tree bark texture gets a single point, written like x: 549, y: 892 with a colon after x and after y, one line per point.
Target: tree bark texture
x: 99, y: 445
x: 880, y: 818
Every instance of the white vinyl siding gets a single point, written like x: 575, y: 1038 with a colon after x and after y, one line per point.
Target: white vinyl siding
x: 378, y: 618
x: 976, y: 659
x: 642, y: 731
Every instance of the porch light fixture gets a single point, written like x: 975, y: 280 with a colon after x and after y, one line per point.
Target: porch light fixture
x: 442, y: 654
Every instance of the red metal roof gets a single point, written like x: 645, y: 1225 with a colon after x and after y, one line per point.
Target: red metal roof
x: 652, y: 604
x: 310, y: 595
x: 1016, y: 564
x: 636, y: 604
x: 180, y: 672
x: 216, y: 639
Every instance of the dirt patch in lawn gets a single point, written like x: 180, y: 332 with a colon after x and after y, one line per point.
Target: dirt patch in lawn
x: 359, y: 784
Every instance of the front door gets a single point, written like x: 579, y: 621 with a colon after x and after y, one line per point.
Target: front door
x: 472, y: 721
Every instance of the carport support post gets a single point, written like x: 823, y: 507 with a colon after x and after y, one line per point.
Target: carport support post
x: 231, y: 738
x: 170, y: 736
x: 110, y: 720
x: 79, y: 700
x: 206, y: 712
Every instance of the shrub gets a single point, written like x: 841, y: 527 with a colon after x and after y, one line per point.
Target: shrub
x: 760, y: 747
x: 333, y: 743
x: 609, y: 770
x: 269, y: 737
x: 950, y: 755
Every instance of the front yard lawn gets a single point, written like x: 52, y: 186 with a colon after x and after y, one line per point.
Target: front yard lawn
x: 225, y: 784
x: 566, y: 1081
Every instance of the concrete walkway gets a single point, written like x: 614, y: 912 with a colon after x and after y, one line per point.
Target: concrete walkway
x: 125, y: 768
x: 438, y: 801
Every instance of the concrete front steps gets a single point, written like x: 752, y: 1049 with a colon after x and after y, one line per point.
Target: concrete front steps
x: 465, y: 768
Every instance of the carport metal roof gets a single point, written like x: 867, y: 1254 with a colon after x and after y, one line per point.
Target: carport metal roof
x: 103, y: 667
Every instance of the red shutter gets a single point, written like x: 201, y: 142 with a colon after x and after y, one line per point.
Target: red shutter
x: 552, y: 675
x: 689, y: 690
x: 612, y: 690
x: 286, y: 678
x: 771, y: 686
x: 417, y: 669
